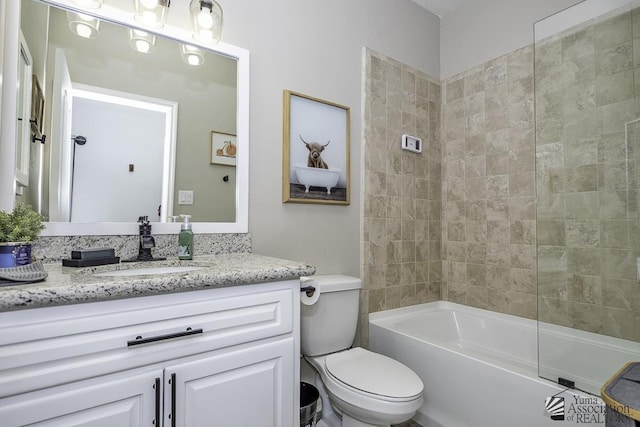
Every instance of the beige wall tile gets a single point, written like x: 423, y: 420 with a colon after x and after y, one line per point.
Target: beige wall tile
x: 521, y: 214
x: 585, y: 289
x: 614, y: 59
x: 401, y: 250
x: 587, y: 317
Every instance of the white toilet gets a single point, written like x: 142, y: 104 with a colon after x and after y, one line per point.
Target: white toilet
x: 364, y: 388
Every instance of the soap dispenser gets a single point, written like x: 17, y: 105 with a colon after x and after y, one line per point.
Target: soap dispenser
x: 185, y: 239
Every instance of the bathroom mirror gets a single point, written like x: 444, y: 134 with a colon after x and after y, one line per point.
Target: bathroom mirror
x: 107, y: 79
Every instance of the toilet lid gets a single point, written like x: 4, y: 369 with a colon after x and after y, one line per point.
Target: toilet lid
x: 373, y: 373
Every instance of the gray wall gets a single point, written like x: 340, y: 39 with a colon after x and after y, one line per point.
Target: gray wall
x: 315, y: 48
x: 483, y: 30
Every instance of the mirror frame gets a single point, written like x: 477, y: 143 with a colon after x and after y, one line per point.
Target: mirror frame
x: 241, y: 225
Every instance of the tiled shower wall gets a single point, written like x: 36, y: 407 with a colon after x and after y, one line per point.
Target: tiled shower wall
x: 401, y: 247
x: 587, y: 166
x: 586, y: 98
x: 489, y: 253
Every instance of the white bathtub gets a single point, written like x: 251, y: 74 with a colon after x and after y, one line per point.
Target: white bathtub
x: 317, y: 177
x: 480, y: 368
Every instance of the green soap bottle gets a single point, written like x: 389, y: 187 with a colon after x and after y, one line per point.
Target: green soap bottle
x: 185, y: 239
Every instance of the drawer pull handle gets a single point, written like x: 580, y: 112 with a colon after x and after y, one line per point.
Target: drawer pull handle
x: 139, y: 340
x: 156, y: 386
x: 173, y: 400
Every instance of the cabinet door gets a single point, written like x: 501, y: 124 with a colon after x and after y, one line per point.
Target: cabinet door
x: 122, y: 400
x: 249, y: 385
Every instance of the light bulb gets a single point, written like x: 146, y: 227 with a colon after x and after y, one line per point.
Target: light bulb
x: 205, y: 35
x: 206, y: 16
x: 150, y: 18
x: 193, y: 59
x: 205, y: 20
x: 149, y: 4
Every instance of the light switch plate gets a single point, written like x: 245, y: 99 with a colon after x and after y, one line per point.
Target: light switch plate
x: 185, y: 197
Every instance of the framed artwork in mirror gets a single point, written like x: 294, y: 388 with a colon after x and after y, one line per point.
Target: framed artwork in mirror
x: 223, y: 148
x: 37, y: 106
x: 315, y: 151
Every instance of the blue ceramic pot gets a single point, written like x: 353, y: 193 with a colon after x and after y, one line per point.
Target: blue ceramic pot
x: 14, y: 254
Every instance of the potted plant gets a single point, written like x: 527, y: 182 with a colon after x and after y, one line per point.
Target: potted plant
x: 17, y: 230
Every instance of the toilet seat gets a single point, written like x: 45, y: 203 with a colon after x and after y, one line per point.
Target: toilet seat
x: 362, y: 403
x: 374, y: 374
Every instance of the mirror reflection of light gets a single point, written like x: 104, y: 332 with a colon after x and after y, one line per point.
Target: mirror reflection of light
x: 192, y: 55
x: 83, y: 25
x: 143, y: 46
x: 83, y: 30
x: 141, y: 41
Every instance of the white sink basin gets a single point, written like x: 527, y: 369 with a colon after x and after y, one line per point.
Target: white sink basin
x: 144, y: 271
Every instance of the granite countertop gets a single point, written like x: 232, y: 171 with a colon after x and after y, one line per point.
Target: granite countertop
x: 67, y: 285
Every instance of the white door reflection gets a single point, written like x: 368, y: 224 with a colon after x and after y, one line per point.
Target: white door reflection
x: 125, y: 168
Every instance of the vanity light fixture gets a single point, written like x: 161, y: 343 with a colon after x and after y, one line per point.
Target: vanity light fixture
x: 152, y: 13
x: 141, y: 41
x: 207, y: 20
x: 83, y: 25
x: 89, y: 4
x: 192, y: 55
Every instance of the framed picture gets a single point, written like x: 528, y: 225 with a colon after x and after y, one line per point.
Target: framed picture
x: 37, y: 106
x: 223, y: 148
x: 315, y: 167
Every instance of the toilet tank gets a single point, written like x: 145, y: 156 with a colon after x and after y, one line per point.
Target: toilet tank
x: 330, y: 324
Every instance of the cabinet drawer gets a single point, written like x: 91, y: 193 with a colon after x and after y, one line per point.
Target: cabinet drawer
x: 44, y: 347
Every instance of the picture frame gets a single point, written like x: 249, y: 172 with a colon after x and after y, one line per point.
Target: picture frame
x: 316, y: 153
x: 222, y: 148
x: 37, y: 106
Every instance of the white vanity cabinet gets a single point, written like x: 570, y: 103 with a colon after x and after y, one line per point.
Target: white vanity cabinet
x: 223, y: 357
x: 128, y: 399
x: 244, y: 387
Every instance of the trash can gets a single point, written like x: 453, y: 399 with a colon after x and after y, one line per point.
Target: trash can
x: 308, y: 404
x: 622, y: 397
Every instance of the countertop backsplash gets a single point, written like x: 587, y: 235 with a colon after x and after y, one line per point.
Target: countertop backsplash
x: 55, y: 248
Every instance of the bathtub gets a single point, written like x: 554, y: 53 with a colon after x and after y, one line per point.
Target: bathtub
x: 316, y: 177
x: 480, y: 368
